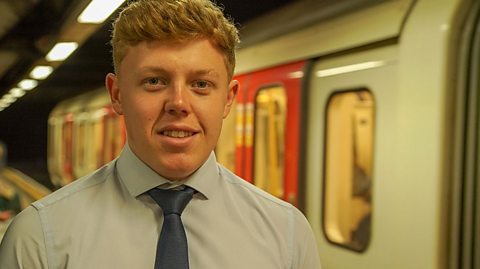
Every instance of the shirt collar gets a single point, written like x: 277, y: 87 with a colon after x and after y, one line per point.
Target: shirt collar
x: 138, y: 177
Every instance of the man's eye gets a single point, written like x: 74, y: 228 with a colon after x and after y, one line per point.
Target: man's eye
x: 153, y: 81
x: 201, y: 84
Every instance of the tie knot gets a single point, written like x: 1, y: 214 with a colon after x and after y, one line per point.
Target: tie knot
x: 172, y: 201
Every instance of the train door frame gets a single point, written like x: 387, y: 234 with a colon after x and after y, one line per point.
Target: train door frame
x: 289, y: 76
x: 464, y: 248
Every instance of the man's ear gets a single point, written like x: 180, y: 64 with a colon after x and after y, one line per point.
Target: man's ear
x: 232, y: 93
x: 111, y: 82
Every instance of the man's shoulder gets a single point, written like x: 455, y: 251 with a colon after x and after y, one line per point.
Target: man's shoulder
x: 251, y: 192
x: 279, y: 222
x: 25, y: 234
x: 25, y: 224
x: 77, y: 187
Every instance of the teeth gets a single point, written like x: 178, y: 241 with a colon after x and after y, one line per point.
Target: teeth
x: 177, y: 134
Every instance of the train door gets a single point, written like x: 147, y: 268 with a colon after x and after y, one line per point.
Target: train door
x: 55, y: 148
x: 67, y: 154
x: 350, y: 133
x: 271, y: 130
x: 60, y: 135
x: 465, y: 218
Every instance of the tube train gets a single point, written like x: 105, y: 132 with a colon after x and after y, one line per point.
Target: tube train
x: 364, y: 114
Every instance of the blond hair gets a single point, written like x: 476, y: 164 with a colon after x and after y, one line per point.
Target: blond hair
x: 174, y: 20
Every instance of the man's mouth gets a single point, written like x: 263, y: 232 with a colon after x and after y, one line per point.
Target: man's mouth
x: 177, y: 134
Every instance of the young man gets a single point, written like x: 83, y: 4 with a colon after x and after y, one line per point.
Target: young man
x: 174, y: 62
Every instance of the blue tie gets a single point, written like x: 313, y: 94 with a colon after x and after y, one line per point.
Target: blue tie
x: 172, y: 248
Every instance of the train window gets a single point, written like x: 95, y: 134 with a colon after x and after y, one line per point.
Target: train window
x: 67, y: 134
x: 348, y: 168
x: 94, y: 157
x: 80, y: 136
x: 98, y: 130
x: 269, y: 141
x: 55, y: 149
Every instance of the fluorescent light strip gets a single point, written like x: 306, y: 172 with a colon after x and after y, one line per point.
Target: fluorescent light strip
x: 27, y: 84
x: 17, y: 92
x: 99, y: 10
x: 41, y: 72
x: 349, y: 68
x: 296, y: 74
x: 8, y: 98
x: 61, y: 51
x: 4, y: 104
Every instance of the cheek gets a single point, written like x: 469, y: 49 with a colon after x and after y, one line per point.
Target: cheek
x: 209, y: 116
x: 140, y: 112
x: 215, y: 119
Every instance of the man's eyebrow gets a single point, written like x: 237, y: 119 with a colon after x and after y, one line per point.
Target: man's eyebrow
x: 203, y: 72
x: 163, y: 71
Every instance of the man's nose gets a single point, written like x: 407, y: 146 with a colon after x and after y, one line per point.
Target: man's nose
x: 178, y: 101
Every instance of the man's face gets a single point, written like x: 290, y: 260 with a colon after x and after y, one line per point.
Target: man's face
x: 174, y: 97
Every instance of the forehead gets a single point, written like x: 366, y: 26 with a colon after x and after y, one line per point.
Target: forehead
x: 199, y: 54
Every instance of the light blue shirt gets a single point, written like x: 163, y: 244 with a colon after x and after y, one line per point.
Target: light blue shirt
x: 105, y: 220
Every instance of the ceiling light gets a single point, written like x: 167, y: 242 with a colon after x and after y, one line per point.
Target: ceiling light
x: 17, y: 92
x: 349, y: 68
x: 296, y: 74
x: 61, y: 51
x: 27, y: 84
x: 98, y: 11
x: 3, y: 104
x: 8, y: 99
x: 41, y: 72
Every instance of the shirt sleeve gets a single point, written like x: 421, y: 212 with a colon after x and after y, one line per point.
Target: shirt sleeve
x: 23, y: 245
x: 305, y: 251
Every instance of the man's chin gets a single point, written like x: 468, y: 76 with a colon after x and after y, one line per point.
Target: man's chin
x: 178, y: 166
x: 178, y: 171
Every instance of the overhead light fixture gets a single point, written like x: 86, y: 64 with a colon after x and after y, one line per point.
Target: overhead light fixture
x: 41, y: 72
x: 98, y: 11
x: 349, y: 68
x: 17, y: 92
x: 4, y: 104
x: 8, y: 99
x: 296, y: 74
x: 27, y: 84
x: 61, y: 51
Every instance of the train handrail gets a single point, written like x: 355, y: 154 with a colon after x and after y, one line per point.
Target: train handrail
x: 25, y: 183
